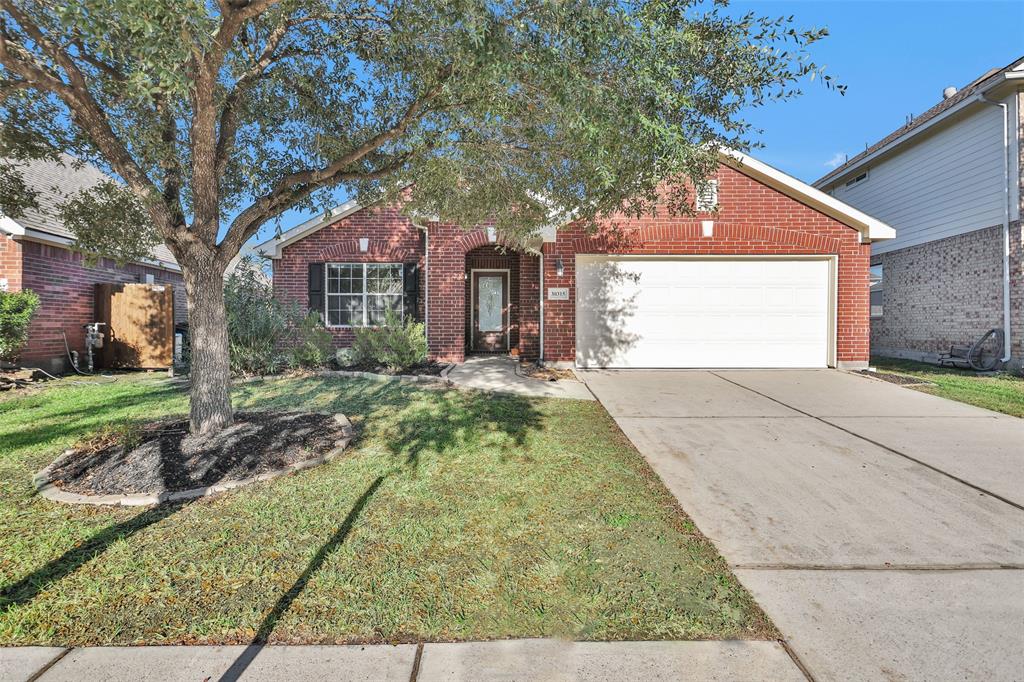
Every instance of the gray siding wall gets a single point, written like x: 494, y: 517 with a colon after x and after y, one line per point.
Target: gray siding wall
x: 943, y: 184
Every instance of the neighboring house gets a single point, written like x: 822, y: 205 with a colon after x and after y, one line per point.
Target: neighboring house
x: 950, y: 181
x: 36, y: 254
x: 769, y: 273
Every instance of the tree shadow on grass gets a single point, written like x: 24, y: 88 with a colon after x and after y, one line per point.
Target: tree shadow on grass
x: 288, y: 598
x: 411, y: 420
x: 26, y: 589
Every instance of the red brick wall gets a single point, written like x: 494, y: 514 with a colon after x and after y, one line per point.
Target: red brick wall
x: 66, y: 289
x: 752, y: 219
x: 392, y: 239
x: 10, y: 263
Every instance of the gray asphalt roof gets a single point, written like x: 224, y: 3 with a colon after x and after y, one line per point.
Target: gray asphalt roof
x: 55, y: 182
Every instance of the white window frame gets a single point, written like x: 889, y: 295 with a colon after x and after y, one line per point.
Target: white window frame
x: 872, y: 289
x: 365, y: 294
x: 707, y: 201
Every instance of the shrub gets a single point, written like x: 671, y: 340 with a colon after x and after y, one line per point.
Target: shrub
x: 16, y: 311
x: 258, y: 324
x: 396, y: 346
x: 313, y: 347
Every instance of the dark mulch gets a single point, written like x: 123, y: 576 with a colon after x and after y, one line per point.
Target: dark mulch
x: 428, y: 368
x: 163, y: 457
x: 901, y: 379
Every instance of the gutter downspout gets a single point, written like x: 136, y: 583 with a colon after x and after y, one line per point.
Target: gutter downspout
x: 540, y: 359
x: 426, y: 280
x: 1006, y: 224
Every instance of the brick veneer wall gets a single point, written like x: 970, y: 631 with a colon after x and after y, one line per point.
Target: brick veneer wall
x: 752, y: 219
x: 10, y: 264
x: 392, y: 239
x: 66, y: 288
x: 948, y: 291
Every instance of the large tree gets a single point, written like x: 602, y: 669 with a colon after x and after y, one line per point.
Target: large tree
x: 218, y: 116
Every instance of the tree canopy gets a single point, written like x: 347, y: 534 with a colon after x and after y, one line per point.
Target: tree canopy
x: 503, y: 110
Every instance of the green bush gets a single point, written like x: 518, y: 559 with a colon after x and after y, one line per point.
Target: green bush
x: 396, y: 346
x: 258, y: 324
x: 16, y: 311
x: 313, y: 347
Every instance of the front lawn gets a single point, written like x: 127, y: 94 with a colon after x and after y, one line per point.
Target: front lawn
x: 1000, y: 392
x: 456, y: 515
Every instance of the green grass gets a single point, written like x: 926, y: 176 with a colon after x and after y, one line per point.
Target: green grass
x: 456, y: 515
x: 1001, y: 392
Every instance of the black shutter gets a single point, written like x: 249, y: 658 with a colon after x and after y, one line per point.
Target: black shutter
x: 316, y: 288
x: 411, y: 287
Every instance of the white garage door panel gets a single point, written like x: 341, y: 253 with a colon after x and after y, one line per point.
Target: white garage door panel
x: 639, y: 312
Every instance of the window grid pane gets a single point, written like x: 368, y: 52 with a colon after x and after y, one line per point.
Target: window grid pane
x: 360, y: 294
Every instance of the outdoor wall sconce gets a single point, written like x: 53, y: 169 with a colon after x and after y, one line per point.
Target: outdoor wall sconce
x: 559, y: 267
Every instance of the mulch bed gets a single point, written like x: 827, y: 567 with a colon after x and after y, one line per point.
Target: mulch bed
x: 535, y: 371
x: 424, y: 368
x: 163, y: 457
x: 21, y: 378
x: 901, y: 379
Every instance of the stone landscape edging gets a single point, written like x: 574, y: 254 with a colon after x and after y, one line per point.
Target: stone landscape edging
x: 375, y: 376
x: 45, y: 487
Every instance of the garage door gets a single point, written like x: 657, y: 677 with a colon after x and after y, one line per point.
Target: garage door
x: 677, y: 312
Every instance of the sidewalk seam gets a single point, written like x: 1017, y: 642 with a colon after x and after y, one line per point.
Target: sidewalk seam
x: 56, y: 659
x: 416, y: 663
x: 876, y: 443
x: 796, y: 660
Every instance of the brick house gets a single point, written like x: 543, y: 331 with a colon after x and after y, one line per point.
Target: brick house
x: 36, y: 254
x: 769, y: 273
x: 951, y: 182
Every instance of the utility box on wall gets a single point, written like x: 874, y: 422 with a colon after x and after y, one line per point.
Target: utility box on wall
x: 139, y: 331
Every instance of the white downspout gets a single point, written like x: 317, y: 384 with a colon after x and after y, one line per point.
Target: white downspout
x: 1006, y: 224
x: 541, y: 358
x: 426, y: 279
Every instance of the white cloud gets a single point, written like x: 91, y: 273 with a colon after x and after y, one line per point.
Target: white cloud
x: 837, y: 160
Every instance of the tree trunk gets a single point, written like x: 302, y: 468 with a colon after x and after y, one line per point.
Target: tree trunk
x: 210, y: 409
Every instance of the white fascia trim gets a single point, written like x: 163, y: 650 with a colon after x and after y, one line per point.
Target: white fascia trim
x: 871, y: 229
x: 927, y: 125
x: 272, y: 247
x: 10, y: 226
x: 66, y: 243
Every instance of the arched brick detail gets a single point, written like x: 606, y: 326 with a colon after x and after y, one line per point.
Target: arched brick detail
x: 377, y: 250
x: 477, y: 238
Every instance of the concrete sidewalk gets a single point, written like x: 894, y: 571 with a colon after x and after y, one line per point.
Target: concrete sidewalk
x: 880, y: 528
x: 527, y: 659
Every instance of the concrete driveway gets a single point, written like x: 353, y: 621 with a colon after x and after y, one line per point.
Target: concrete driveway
x: 881, y: 529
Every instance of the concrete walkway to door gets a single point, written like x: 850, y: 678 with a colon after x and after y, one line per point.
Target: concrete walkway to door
x: 881, y: 529
x: 499, y: 373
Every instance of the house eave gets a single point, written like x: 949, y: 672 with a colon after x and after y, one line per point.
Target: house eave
x: 21, y: 233
x: 997, y: 88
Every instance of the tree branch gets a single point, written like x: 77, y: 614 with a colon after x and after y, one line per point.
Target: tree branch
x: 87, y: 114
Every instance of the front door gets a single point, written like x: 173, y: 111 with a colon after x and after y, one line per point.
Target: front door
x: 490, y: 310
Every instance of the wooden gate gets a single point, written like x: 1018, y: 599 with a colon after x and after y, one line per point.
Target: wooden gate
x: 140, y: 325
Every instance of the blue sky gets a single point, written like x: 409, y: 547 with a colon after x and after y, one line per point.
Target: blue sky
x: 894, y: 57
